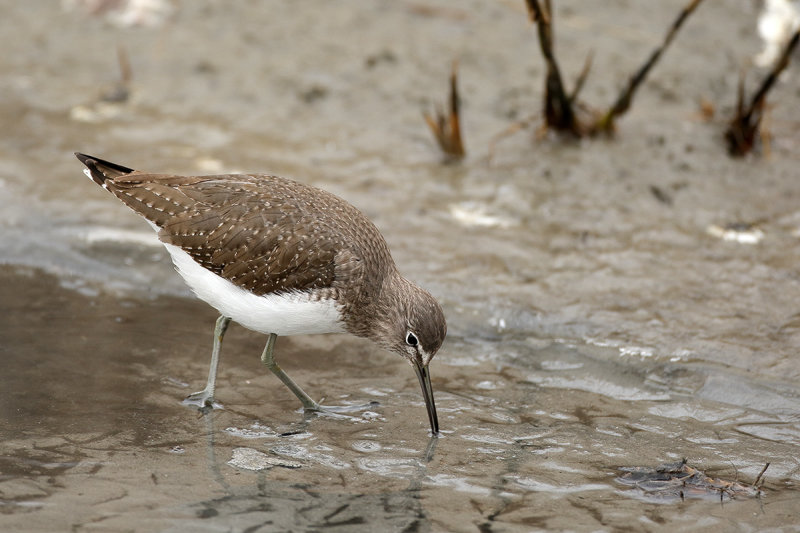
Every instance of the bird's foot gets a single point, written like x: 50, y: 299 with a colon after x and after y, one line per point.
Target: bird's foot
x: 203, y: 400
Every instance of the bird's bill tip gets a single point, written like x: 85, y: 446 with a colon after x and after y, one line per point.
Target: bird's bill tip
x: 424, y: 376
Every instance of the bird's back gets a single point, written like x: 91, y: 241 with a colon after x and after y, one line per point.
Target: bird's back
x: 265, y: 234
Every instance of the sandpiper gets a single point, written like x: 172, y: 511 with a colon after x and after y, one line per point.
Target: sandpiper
x: 281, y: 258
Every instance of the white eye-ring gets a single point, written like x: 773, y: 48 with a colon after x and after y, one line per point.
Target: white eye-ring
x: 411, y: 339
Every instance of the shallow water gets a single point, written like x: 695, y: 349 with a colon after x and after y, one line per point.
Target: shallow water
x: 592, y: 327
x: 95, y: 436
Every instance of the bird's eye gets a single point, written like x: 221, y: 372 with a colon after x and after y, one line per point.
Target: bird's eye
x: 411, y: 339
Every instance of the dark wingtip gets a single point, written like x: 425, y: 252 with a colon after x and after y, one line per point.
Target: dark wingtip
x: 94, y: 172
x: 101, y: 170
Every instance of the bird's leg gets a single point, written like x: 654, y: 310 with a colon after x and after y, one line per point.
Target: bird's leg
x: 268, y: 359
x: 205, y: 397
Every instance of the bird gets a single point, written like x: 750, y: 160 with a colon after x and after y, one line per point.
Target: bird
x: 280, y: 257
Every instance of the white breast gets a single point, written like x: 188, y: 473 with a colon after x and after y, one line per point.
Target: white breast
x: 286, y: 314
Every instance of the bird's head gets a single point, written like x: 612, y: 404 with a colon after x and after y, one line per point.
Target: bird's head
x: 411, y: 323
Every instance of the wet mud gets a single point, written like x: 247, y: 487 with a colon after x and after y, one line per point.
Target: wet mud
x: 613, y: 305
x: 95, y: 436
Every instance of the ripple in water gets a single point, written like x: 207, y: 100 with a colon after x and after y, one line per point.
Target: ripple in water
x: 255, y: 431
x: 366, y: 446
x: 295, y: 451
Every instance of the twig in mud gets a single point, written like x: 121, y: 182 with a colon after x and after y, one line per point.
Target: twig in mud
x: 558, y: 111
x: 760, y: 474
x: 623, y: 103
x: 561, y: 108
x: 684, y: 481
x: 587, y: 66
x: 447, y: 128
x: 743, y: 130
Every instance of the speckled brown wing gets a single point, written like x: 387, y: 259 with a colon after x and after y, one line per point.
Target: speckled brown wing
x: 256, y: 231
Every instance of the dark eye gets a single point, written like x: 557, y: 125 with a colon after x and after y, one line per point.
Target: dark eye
x: 411, y: 339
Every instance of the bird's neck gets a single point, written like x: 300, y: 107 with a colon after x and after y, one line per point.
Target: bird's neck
x: 380, y: 310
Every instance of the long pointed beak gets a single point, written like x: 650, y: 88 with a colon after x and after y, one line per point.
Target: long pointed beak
x: 424, y: 376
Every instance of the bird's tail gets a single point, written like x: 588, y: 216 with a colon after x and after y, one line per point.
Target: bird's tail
x: 100, y: 170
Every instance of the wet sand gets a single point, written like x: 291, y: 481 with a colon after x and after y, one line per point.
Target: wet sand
x: 594, y: 324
